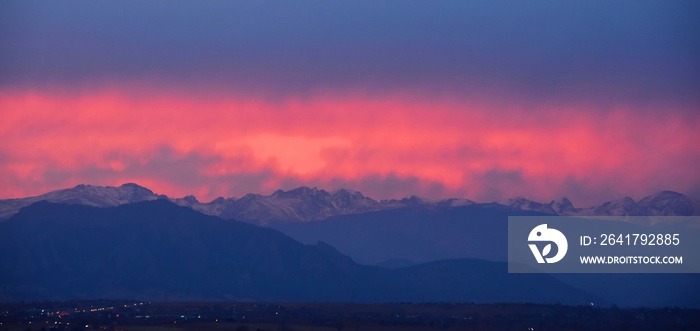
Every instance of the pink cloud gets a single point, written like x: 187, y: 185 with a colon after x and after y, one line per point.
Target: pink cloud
x: 385, y: 146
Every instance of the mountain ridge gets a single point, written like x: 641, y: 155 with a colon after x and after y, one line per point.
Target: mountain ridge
x: 304, y: 204
x: 152, y: 249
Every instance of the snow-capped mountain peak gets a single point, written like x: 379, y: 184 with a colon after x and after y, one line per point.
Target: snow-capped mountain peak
x: 299, y: 204
x: 527, y: 204
x: 305, y: 204
x: 90, y: 195
x: 563, y: 206
x: 664, y: 203
x: 668, y: 203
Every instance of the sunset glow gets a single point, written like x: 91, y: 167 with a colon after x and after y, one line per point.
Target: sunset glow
x: 459, y: 100
x: 385, y: 147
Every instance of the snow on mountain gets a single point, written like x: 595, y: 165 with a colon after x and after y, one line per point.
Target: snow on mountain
x: 563, y: 206
x: 215, y: 207
x: 620, y: 207
x: 526, y: 204
x: 405, y: 202
x: 300, y: 204
x: 306, y: 204
x: 416, y: 201
x: 96, y: 196
x: 667, y: 203
x: 454, y: 202
x: 664, y: 203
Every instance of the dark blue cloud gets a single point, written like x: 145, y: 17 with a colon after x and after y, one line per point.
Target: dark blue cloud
x: 603, y: 50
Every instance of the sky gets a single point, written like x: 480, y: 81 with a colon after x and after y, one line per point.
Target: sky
x: 486, y: 100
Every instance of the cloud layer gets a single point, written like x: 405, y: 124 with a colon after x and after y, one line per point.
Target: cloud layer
x: 473, y: 99
x: 387, y: 147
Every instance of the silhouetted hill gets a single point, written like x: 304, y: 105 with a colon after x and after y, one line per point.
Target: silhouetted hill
x: 480, y: 231
x: 414, y: 233
x: 158, y: 250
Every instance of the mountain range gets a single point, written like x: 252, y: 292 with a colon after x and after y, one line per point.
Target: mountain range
x: 127, y: 242
x: 306, y: 204
x: 664, y: 203
x: 156, y: 250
